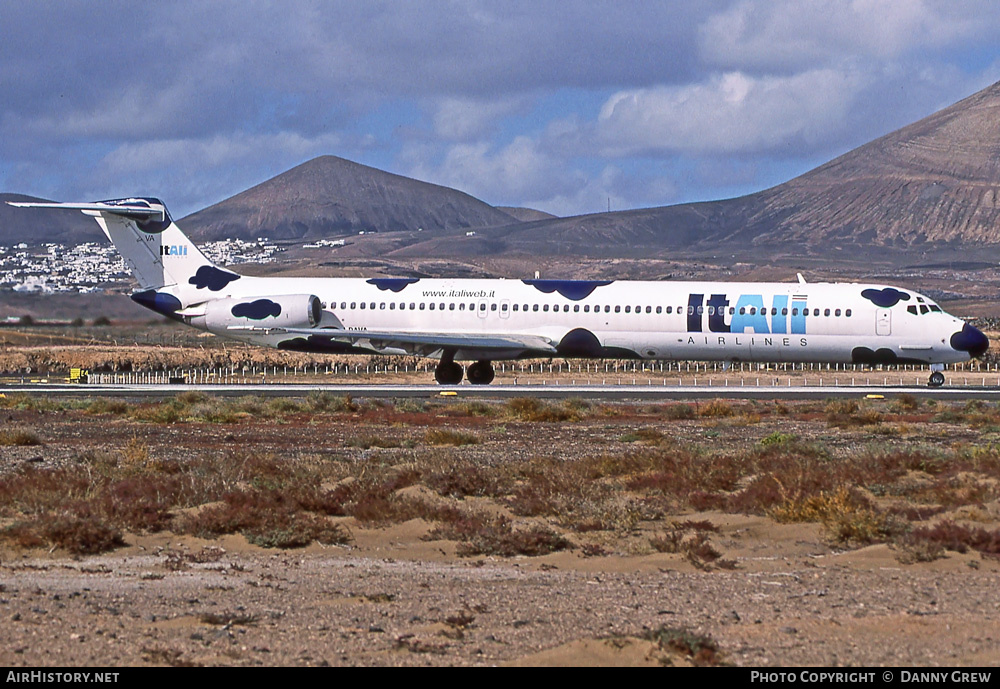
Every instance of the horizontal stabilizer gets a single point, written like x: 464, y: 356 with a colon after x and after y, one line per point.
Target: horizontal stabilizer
x: 129, y: 208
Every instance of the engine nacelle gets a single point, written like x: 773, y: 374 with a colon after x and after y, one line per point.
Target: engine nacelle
x: 286, y: 311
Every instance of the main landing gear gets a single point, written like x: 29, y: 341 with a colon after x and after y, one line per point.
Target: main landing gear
x: 447, y: 371
x: 480, y: 373
x: 450, y: 373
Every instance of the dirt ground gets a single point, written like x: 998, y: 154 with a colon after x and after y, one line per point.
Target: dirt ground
x: 781, y: 593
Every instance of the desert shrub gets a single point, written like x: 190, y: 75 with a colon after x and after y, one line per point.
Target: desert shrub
x: 647, y: 435
x: 322, y: 401
x: 703, y: 651
x: 379, y: 508
x: 468, y: 479
x: 535, y: 410
x: 847, y: 517
x: 949, y: 415
x: 87, y: 535
x: 847, y: 413
x: 37, y: 491
x: 213, y: 411
x: 715, y: 409
x: 957, y: 537
x: 919, y: 551
x: 906, y: 402
x: 266, y: 518
x: 189, y: 397
x: 19, y: 436
x: 677, y: 412
x: 280, y: 406
x: 778, y: 438
x: 162, y: 413
x: 143, y: 503
x: 841, y: 407
x: 297, y: 530
x: 480, y: 534
x: 678, y: 473
x: 474, y: 408
x: 692, y: 540
x: 409, y: 405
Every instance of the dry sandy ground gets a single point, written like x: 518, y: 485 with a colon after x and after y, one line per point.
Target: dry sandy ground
x: 393, y: 598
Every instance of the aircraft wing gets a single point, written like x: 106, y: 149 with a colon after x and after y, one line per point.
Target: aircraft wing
x: 422, y: 343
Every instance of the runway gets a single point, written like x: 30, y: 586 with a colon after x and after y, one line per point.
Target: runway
x: 597, y: 392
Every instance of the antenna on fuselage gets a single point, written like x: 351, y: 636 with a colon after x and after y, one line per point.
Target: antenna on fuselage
x: 802, y: 280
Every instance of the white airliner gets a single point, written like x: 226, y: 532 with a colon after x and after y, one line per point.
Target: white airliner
x: 488, y: 320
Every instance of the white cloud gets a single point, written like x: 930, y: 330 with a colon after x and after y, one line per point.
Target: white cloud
x: 518, y: 170
x: 731, y: 113
x: 466, y: 119
x: 590, y: 195
x: 796, y: 34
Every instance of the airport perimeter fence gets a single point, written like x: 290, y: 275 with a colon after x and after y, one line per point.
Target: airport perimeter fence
x: 573, y: 373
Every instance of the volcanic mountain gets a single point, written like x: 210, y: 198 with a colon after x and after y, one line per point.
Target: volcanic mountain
x: 330, y: 196
x: 935, y: 181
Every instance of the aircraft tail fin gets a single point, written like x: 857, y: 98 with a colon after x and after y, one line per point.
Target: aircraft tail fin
x: 157, y: 253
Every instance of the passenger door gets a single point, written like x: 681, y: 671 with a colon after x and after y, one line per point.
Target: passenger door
x: 883, y: 322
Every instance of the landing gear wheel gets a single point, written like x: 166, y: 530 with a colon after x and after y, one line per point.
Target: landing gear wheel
x: 936, y: 380
x: 448, y: 373
x: 481, y: 373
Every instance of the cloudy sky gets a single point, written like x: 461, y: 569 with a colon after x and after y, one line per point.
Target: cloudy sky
x: 561, y: 106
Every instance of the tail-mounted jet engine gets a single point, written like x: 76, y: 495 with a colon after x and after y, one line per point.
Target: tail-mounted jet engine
x: 286, y: 311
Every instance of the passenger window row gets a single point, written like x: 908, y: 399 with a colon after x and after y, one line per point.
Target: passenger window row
x: 607, y: 308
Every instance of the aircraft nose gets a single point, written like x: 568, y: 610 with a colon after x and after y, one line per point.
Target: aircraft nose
x: 970, y: 340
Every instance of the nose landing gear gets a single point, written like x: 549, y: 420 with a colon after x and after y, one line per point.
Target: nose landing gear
x: 936, y: 380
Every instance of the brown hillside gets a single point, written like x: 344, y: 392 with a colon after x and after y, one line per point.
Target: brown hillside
x: 933, y: 181
x: 330, y: 196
